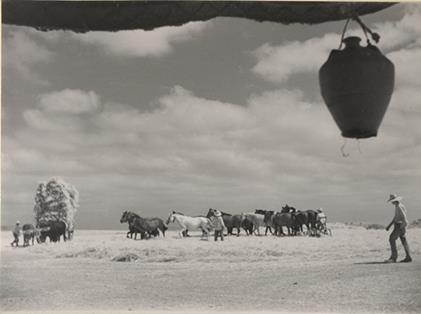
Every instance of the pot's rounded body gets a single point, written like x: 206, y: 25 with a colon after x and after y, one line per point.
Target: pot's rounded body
x: 356, y: 84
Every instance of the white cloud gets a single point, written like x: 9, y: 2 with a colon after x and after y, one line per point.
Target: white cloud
x: 191, y: 152
x: 70, y: 101
x: 407, y: 66
x: 400, y: 40
x: 140, y: 43
x: 193, y: 136
x: 184, y: 130
x: 403, y: 33
x: 21, y: 53
x: 62, y: 110
x: 278, y: 63
x: 406, y: 99
x: 42, y: 120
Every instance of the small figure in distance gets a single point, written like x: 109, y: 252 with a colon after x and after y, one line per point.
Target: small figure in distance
x: 16, y: 233
x: 400, y: 221
x: 218, y: 224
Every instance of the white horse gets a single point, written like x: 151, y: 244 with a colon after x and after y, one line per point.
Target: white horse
x: 190, y: 223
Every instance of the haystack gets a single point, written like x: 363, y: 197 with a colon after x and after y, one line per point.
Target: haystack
x: 56, y: 200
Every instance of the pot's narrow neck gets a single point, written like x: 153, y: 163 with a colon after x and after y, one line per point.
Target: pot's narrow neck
x: 352, y: 42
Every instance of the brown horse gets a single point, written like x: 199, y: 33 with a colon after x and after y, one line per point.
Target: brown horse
x: 268, y: 215
x: 305, y: 217
x: 144, y: 226
x: 280, y: 220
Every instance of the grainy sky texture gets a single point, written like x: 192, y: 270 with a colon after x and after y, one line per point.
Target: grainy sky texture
x: 224, y: 114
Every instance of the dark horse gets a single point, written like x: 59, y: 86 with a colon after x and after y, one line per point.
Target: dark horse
x: 132, y: 228
x: 53, y: 230
x: 283, y: 219
x: 230, y: 221
x: 147, y: 227
x: 305, y: 217
x: 248, y: 225
x: 268, y: 219
x: 288, y: 209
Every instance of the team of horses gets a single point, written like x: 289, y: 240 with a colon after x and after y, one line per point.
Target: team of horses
x: 273, y: 221
x: 53, y: 230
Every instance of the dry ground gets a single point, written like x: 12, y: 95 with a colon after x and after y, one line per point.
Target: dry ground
x: 341, y: 273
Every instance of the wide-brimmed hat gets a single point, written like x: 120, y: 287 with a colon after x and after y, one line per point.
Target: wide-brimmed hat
x: 394, y: 198
x: 217, y: 213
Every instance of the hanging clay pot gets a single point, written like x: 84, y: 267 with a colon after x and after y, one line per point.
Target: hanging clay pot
x: 356, y: 84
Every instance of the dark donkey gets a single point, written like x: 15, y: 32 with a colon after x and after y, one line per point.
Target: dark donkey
x: 145, y: 226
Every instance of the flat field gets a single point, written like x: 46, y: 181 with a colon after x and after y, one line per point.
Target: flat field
x: 342, y: 273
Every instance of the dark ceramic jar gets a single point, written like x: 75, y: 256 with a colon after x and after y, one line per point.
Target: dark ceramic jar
x: 356, y: 84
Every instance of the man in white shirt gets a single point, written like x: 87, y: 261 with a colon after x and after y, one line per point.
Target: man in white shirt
x: 400, y: 221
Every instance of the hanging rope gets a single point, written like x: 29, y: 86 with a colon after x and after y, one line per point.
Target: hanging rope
x: 359, y: 147
x: 366, y: 30
x: 345, y: 155
x: 374, y: 36
x: 343, y: 33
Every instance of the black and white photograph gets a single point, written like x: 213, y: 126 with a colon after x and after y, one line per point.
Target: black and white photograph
x: 210, y: 157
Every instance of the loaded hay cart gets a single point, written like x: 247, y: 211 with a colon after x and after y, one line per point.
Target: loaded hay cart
x: 56, y: 203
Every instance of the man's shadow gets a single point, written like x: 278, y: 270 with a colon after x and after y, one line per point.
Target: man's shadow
x: 372, y: 263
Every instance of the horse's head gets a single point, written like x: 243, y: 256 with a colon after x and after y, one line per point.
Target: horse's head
x: 171, y: 218
x: 260, y: 211
x: 124, y: 217
x: 286, y: 209
x: 211, y: 212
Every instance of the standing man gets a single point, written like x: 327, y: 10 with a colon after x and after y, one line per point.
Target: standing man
x: 400, y: 221
x: 218, y: 224
x: 16, y: 233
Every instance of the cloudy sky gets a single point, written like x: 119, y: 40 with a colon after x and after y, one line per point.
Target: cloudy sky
x: 224, y: 114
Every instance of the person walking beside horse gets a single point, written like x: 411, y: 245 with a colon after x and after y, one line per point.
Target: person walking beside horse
x: 400, y: 221
x: 218, y: 224
x: 16, y: 233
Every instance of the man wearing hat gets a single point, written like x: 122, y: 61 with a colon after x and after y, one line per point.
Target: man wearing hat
x: 400, y: 221
x: 16, y: 233
x: 218, y: 224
